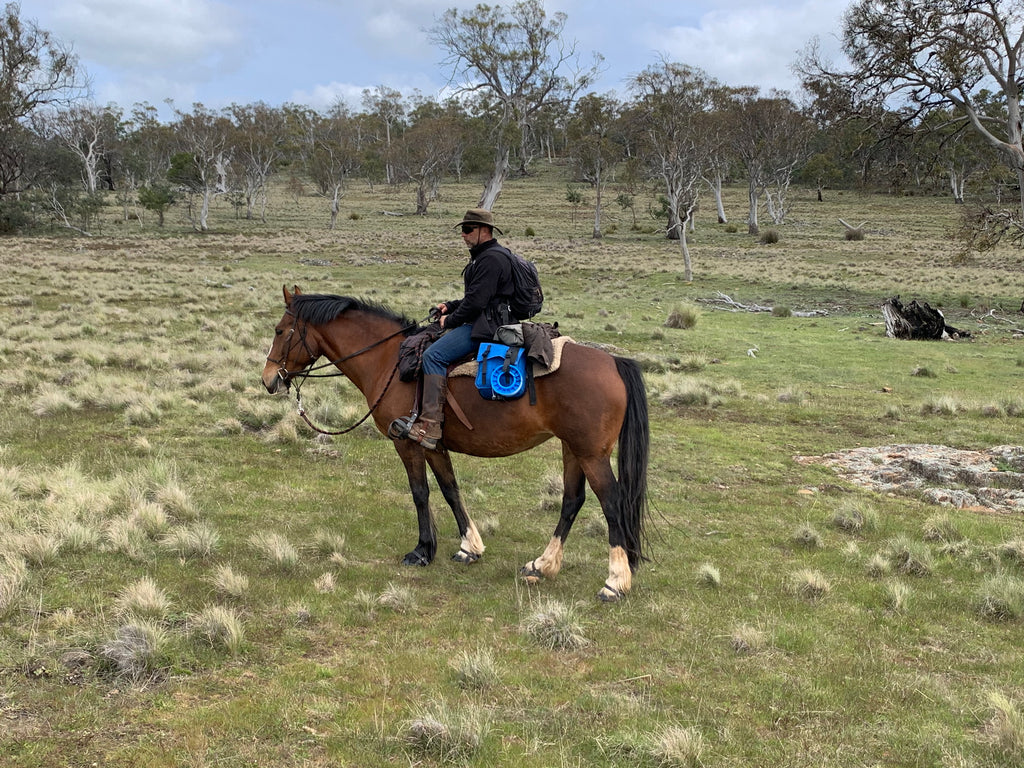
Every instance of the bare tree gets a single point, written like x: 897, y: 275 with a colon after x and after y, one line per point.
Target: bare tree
x: 592, y: 149
x: 674, y: 103
x: 386, y: 105
x: 936, y: 53
x: 259, y: 139
x: 436, y: 136
x: 203, y: 137
x: 329, y: 145
x: 87, y: 131
x: 520, y: 63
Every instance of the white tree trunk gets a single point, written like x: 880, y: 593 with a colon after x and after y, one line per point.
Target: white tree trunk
x: 496, y: 180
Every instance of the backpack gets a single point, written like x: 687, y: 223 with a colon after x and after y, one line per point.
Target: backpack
x: 527, y: 296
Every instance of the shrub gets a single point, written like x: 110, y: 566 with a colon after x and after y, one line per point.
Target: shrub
x: 684, y: 316
x: 855, y: 234
x: 769, y: 237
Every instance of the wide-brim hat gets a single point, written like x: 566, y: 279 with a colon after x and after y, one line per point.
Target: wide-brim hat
x: 479, y: 216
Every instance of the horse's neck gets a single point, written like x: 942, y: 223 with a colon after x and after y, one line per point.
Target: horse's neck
x: 347, y: 338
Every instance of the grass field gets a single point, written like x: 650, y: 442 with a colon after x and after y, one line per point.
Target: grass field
x: 190, y: 577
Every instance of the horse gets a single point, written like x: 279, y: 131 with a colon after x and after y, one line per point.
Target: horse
x: 593, y: 402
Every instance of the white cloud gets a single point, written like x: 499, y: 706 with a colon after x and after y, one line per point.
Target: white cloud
x: 154, y: 35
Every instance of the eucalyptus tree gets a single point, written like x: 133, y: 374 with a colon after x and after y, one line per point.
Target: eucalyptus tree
x: 88, y: 131
x: 36, y: 71
x: 437, y: 134
x: 520, y: 62
x: 259, y: 139
x: 329, y: 146
x: 937, y: 54
x: 672, y: 112
x: 387, y: 107
x: 592, y: 147
x: 771, y: 138
x: 200, y: 166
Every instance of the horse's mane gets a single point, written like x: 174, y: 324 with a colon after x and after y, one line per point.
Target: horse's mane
x: 319, y: 308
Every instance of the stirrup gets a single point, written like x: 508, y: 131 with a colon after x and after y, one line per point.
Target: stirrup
x: 400, y: 428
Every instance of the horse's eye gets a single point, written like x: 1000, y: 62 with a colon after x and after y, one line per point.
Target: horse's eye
x: 278, y: 331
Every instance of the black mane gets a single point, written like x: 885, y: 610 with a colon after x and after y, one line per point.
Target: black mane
x: 318, y: 308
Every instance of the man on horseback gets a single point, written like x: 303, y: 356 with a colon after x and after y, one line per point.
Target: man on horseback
x: 483, y: 308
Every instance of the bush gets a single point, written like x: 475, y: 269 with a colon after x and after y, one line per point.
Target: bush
x: 684, y: 316
x: 769, y: 237
x: 855, y: 234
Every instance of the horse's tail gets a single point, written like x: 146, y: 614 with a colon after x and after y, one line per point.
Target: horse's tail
x: 634, y: 452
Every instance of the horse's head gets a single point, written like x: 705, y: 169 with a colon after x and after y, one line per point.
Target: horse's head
x: 294, y: 348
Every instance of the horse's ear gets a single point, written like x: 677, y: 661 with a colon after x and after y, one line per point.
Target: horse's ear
x: 289, y: 296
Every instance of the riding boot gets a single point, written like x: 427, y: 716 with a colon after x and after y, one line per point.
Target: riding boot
x: 427, y: 429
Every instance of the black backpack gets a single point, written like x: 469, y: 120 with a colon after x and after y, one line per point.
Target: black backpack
x: 527, y: 296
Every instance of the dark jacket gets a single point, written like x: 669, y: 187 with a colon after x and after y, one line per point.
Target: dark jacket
x: 488, y: 285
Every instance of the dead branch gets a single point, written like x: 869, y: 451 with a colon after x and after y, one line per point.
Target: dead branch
x: 728, y: 304
x: 853, y: 229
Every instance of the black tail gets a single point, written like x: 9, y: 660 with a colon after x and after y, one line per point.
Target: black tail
x: 634, y: 451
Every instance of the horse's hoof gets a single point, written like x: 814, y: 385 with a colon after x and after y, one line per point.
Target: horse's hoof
x: 464, y: 557
x: 530, y: 574
x: 610, y: 594
x: 415, y: 558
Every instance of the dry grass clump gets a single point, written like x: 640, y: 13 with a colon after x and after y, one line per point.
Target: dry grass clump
x: 806, y: 535
x: 198, y: 540
x: 942, y: 528
x: 220, y: 626
x: 125, y: 537
x: 910, y: 557
x: 1006, y: 726
x: 556, y: 625
x: 398, y: 598
x: 1001, y: 598
x: 748, y: 639
x: 683, y: 316
x: 809, y: 584
x: 328, y: 543
x: 136, y: 650
x: 897, y: 594
x: 36, y: 547
x: 677, y: 746
x: 709, y: 576
x: 52, y: 400
x: 275, y: 549
x: 448, y: 734
x: 941, y: 406
x: 229, y: 583
x: 682, y: 391
x: 476, y: 670
x: 324, y: 583
x: 854, y: 516
x: 1012, y: 550
x: 143, y: 599
x: 13, y: 575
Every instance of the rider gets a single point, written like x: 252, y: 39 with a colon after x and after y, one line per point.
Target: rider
x: 475, y: 317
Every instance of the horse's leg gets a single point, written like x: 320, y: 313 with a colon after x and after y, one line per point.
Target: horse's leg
x: 472, y: 546
x: 606, y: 488
x: 574, y: 490
x: 416, y: 468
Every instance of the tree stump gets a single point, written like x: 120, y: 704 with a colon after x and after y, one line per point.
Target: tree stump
x: 917, y: 321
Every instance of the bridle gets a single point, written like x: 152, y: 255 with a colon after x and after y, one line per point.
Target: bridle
x: 308, y: 371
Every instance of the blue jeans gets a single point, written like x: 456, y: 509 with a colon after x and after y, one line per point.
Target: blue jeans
x: 452, y: 346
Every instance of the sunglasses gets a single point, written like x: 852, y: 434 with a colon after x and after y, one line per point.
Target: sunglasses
x: 467, y: 228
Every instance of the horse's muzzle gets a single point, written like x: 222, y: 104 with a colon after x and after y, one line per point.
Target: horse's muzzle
x: 274, y: 379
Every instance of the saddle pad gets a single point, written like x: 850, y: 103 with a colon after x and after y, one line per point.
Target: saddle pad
x: 470, y: 368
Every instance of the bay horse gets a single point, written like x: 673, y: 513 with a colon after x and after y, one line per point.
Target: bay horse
x: 593, y: 403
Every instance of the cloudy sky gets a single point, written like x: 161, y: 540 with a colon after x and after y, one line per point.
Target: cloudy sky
x: 313, y: 52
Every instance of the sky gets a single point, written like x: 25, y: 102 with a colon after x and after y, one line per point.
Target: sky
x: 315, y: 52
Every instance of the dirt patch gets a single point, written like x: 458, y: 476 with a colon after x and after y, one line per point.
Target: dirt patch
x: 983, y: 481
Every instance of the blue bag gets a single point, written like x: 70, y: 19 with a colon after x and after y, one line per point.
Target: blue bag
x: 501, y: 371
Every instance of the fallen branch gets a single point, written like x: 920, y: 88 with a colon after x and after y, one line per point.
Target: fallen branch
x: 726, y: 303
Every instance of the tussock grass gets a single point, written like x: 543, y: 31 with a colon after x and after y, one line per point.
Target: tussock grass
x: 855, y: 516
x: 143, y: 599
x: 36, y: 547
x: 398, y: 598
x: 683, y: 316
x: 678, y: 746
x: 52, y: 400
x: 220, y: 626
x: 328, y: 543
x: 325, y: 583
x: 709, y: 576
x: 228, y: 582
x: 1013, y: 551
x: 1001, y: 598
x: 942, y: 528
x: 1006, y: 725
x: 136, y: 651
x: 556, y: 625
x: 13, y: 575
x: 909, y: 556
x: 196, y: 540
x: 476, y: 670
x: 809, y: 584
x: 897, y: 596
x: 447, y: 733
x: 125, y: 537
x: 275, y: 549
x: 807, y: 536
x: 747, y: 638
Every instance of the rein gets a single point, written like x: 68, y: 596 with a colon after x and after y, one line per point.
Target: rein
x: 308, y: 372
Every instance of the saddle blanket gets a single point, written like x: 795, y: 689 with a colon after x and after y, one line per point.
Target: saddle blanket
x: 470, y: 368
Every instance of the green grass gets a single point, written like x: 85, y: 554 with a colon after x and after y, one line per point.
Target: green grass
x: 189, y: 576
